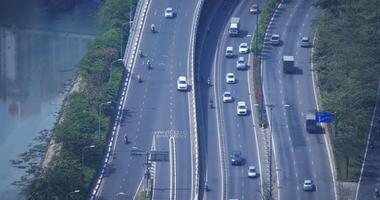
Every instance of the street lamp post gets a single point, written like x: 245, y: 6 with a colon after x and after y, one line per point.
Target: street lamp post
x: 118, y: 60
x: 83, y: 150
x: 100, y: 114
x: 271, y: 106
x: 68, y: 194
x: 147, y: 171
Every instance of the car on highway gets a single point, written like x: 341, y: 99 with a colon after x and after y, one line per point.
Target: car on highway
x: 230, y: 78
x: 240, y: 63
x: 182, y: 83
x: 230, y: 52
x: 241, y: 108
x: 308, y: 185
x: 243, y: 48
x: 254, y: 9
x: 227, y: 97
x: 252, y: 172
x: 305, y: 42
x: 236, y: 158
x: 275, y: 39
x: 169, y: 13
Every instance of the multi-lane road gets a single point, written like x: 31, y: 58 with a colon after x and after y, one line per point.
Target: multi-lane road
x: 299, y: 155
x: 156, y: 115
x: 232, y: 132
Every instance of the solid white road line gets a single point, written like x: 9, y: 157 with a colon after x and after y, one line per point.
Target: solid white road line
x: 173, y: 168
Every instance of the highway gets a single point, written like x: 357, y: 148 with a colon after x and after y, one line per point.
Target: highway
x: 227, y: 132
x: 156, y: 115
x: 299, y: 155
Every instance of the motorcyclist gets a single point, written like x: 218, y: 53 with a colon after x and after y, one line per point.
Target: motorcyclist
x: 152, y: 28
x: 126, y: 139
x: 149, y: 65
x: 139, y: 78
x: 140, y: 53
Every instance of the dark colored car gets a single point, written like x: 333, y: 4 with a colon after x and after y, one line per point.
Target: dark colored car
x: 236, y: 158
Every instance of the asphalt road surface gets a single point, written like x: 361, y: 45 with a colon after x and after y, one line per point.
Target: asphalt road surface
x: 156, y: 115
x: 299, y: 155
x: 226, y: 131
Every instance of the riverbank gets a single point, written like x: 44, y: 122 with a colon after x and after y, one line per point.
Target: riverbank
x: 77, y: 145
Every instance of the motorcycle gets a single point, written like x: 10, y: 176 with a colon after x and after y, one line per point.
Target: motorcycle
x: 126, y: 139
x: 209, y: 82
x: 152, y: 28
x: 139, y: 78
x: 211, y: 104
x: 149, y: 65
x: 206, y: 187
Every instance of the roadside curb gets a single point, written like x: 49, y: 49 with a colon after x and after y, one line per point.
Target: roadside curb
x: 128, y: 61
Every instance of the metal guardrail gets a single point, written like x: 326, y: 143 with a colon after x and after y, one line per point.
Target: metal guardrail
x: 195, y: 162
x: 128, y: 59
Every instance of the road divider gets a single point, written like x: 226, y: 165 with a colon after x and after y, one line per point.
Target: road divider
x: 192, y: 106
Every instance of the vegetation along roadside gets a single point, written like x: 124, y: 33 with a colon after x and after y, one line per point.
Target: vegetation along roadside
x: 347, y: 61
x: 76, y: 131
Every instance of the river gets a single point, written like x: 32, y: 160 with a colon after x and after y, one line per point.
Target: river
x: 38, y: 54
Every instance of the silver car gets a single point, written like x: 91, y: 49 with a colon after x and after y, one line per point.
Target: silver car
x: 308, y: 185
x: 305, y: 42
x: 240, y: 63
x: 275, y: 39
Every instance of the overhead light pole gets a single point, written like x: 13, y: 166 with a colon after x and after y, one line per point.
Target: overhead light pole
x: 83, y: 150
x: 68, y: 194
x: 110, y: 67
x: 100, y: 114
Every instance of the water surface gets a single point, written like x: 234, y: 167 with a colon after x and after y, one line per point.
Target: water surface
x: 38, y: 54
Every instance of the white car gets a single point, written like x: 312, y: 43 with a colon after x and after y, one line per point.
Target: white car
x: 230, y: 78
x: 240, y: 63
x: 252, y: 172
x: 243, y: 48
x: 182, y: 83
x: 275, y: 39
x: 308, y: 185
x: 227, y: 97
x: 230, y: 52
x: 169, y: 13
x: 241, y: 108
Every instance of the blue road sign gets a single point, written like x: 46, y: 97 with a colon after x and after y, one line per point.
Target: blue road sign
x: 324, y: 117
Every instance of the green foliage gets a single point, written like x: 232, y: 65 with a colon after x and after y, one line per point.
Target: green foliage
x: 266, y: 12
x: 108, y: 41
x: 116, y: 12
x: 78, y: 124
x: 347, y: 61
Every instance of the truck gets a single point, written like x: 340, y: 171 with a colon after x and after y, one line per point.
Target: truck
x: 311, y: 123
x: 234, y: 26
x: 288, y: 64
